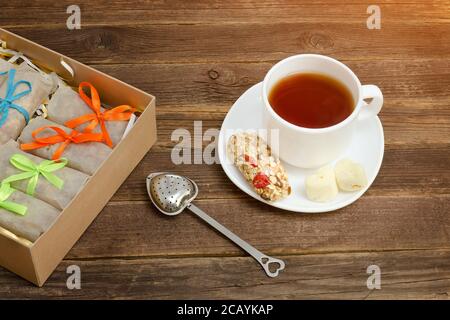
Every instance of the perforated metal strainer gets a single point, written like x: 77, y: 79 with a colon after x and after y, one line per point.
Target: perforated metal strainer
x: 171, y: 194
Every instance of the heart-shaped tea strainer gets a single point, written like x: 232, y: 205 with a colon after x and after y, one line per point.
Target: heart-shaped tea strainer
x: 171, y: 194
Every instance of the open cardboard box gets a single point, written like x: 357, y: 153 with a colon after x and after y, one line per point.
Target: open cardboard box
x: 36, y: 261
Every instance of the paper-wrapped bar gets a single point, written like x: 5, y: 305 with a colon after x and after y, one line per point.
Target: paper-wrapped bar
x: 3, y: 138
x: 30, y: 224
x: 67, y: 105
x: 5, y: 66
x: 73, y: 180
x: 48, y: 140
x: 37, y: 88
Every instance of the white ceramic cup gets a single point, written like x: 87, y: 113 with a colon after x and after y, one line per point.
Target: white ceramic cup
x: 310, y: 147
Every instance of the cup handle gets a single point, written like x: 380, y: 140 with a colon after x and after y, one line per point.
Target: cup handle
x: 374, y: 107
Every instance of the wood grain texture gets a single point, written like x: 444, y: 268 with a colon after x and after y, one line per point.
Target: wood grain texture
x: 147, y: 12
x: 416, y: 110
x: 239, y: 42
x: 372, y: 223
x: 149, y: 25
x: 404, y: 274
x: 399, y: 175
x: 409, y: 82
x: 198, y: 57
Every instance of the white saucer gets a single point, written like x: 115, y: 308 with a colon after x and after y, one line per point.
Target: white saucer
x: 367, y: 148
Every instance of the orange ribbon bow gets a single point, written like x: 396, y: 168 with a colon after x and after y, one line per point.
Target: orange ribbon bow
x: 62, y: 137
x: 120, y: 113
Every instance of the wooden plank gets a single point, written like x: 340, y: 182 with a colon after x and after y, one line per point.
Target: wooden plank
x: 404, y: 275
x: 415, y: 131
x: 416, y: 110
x: 412, y: 171
x: 372, y: 223
x: 409, y: 84
x: 216, y: 11
x: 241, y: 42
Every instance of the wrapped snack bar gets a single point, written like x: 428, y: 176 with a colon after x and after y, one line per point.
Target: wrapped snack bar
x: 83, y: 113
x: 23, y: 91
x: 3, y: 138
x: 49, y: 181
x: 5, y: 66
x: 46, y: 139
x: 23, y: 215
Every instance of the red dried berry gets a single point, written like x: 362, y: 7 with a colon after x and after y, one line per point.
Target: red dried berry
x: 250, y: 160
x: 261, y: 180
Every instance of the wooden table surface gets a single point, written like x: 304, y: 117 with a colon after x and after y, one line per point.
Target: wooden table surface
x: 198, y: 57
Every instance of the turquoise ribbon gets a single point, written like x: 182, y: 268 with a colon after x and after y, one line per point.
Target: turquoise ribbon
x: 7, y: 102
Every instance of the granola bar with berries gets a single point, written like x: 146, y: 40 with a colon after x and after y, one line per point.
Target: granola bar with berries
x: 254, y: 159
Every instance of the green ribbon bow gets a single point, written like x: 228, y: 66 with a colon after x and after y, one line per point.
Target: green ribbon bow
x: 32, y: 172
x: 5, y: 192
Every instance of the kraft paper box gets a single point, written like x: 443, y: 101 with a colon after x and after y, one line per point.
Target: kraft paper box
x: 36, y: 261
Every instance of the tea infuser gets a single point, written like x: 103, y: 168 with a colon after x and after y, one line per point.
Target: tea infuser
x: 172, y: 193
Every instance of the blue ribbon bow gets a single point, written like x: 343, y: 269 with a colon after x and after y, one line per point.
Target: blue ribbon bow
x: 7, y: 102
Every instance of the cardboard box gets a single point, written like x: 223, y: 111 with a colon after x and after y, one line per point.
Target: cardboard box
x: 36, y: 261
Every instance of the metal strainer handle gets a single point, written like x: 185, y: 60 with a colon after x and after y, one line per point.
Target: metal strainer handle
x: 266, y: 262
